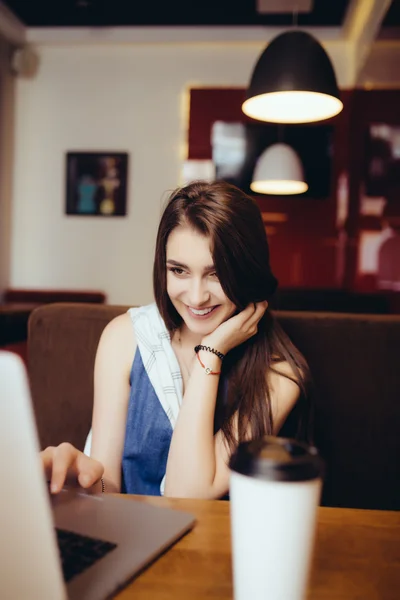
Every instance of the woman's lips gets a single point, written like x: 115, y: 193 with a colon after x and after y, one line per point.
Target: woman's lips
x: 201, y: 314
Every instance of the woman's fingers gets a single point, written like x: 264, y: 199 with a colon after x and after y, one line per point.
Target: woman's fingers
x: 261, y: 307
x: 88, y: 469
x: 47, y: 461
x: 259, y: 310
x: 238, y: 328
x: 255, y: 311
x: 249, y: 317
x: 247, y: 313
x: 65, y: 462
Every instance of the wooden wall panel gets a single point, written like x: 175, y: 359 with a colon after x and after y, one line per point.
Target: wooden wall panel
x: 303, y: 247
x: 367, y: 107
x: 307, y: 248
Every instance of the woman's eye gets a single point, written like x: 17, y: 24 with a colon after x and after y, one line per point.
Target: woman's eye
x: 214, y: 275
x: 176, y: 270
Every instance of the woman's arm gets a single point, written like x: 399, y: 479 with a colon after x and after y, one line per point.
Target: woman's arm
x: 111, y: 396
x: 113, y: 361
x: 213, y: 458
x: 194, y: 459
x: 191, y: 465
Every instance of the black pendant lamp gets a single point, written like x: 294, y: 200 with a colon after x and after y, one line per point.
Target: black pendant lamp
x: 293, y: 82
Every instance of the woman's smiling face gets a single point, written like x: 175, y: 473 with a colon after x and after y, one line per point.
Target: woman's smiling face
x: 192, y: 283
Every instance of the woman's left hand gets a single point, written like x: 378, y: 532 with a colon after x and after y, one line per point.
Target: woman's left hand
x: 237, y: 329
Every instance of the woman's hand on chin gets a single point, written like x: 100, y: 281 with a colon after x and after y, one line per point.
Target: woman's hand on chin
x: 236, y: 329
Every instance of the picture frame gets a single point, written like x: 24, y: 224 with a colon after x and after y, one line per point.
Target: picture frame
x: 96, y: 183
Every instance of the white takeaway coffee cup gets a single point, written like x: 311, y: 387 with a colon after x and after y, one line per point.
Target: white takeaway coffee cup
x: 275, y: 489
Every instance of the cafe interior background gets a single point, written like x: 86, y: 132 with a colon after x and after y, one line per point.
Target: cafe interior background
x: 162, y: 84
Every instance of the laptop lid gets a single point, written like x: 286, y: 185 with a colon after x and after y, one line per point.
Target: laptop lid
x: 30, y: 567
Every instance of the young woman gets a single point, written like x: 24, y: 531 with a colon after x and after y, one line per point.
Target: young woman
x: 180, y: 382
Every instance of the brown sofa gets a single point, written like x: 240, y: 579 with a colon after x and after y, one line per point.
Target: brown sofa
x: 354, y: 360
x: 45, y: 296
x: 16, y: 305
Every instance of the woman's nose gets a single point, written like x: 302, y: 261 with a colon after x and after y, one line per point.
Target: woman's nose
x: 198, y: 293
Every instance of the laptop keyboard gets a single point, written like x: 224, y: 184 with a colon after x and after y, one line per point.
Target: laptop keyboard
x: 78, y: 552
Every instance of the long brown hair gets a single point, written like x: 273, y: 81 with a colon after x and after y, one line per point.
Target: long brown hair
x: 239, y: 247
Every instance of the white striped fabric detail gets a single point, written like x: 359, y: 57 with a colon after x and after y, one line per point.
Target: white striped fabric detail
x: 158, y: 358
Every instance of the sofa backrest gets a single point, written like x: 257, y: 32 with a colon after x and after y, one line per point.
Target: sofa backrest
x: 354, y: 360
x: 45, y: 296
x: 62, y: 342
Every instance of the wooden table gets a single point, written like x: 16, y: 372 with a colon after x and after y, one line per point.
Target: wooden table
x: 357, y: 557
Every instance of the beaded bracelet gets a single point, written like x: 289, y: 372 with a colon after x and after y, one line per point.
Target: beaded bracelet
x: 208, y: 349
x: 103, y: 487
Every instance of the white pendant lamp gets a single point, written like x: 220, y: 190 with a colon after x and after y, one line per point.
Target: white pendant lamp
x: 293, y: 82
x: 279, y: 171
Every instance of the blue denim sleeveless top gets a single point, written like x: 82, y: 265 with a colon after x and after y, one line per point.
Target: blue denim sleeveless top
x: 148, y: 434
x: 147, y: 437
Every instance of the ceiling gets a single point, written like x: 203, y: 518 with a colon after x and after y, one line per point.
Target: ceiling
x: 321, y: 14
x: 392, y: 18
x: 354, y: 30
x: 72, y: 13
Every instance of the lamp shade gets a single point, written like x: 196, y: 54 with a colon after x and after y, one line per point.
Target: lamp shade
x: 279, y: 171
x: 293, y: 82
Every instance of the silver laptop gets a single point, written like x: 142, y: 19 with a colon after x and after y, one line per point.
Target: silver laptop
x: 76, y: 546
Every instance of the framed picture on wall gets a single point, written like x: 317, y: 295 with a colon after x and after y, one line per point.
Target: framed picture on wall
x: 96, y: 183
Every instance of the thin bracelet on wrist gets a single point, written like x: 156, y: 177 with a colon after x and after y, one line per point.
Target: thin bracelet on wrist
x: 103, y: 487
x: 207, y: 370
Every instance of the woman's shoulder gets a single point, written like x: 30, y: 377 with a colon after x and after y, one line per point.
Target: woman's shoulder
x: 278, y: 363
x: 119, y: 333
x: 117, y: 345
x: 285, y: 391
x: 121, y: 325
x: 283, y: 369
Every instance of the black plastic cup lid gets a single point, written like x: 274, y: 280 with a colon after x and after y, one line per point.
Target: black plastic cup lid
x: 277, y: 459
